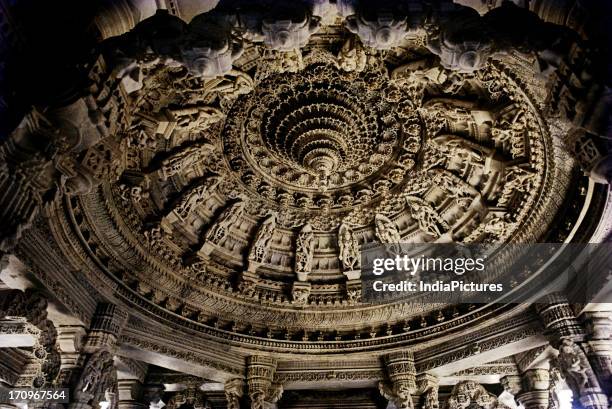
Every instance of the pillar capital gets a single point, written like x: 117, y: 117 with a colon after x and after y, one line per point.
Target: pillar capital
x: 106, y: 325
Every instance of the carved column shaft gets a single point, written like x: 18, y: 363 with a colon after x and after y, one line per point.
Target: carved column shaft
x: 567, y: 336
x: 427, y: 386
x: 599, y: 332
x: 130, y: 392
x: 402, y: 374
x: 98, y: 378
x: 260, y: 373
x: 234, y: 390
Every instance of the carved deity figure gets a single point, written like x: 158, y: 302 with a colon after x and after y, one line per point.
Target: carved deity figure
x: 226, y: 219
x: 428, y: 219
x: 304, y: 252
x: 455, y: 188
x: 386, y: 230
x: 352, y: 56
x: 97, y: 380
x: 231, y: 86
x: 263, y: 238
x: 184, y: 158
x: 573, y: 362
x: 431, y: 399
x: 399, y: 395
x: 196, y: 118
x: 349, y: 248
x: 470, y: 394
x: 456, y: 147
x: 195, y: 197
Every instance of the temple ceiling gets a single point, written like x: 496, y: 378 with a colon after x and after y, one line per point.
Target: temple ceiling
x: 221, y: 176
x: 239, y: 202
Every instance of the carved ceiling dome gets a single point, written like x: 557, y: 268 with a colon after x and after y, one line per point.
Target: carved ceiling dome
x: 223, y: 175
x: 191, y: 209
x: 236, y: 184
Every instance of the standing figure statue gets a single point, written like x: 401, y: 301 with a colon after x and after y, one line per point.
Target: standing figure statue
x: 261, y: 244
x: 193, y: 199
x: 304, y: 252
x: 387, y: 233
x: 349, y: 248
x: 428, y: 218
x: 226, y: 219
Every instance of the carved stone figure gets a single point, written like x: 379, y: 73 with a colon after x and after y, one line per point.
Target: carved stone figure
x: 428, y: 219
x: 300, y: 293
x: 290, y: 61
x: 263, y: 238
x: 231, y: 85
x: 572, y: 362
x: 227, y: 218
x: 386, y: 230
x: 189, y: 201
x: 352, y: 56
x: 304, y: 252
x: 469, y: 394
x: 95, y: 380
x: 196, y: 118
x: 287, y: 35
x: 275, y: 393
x: 399, y: 394
x: 349, y: 248
x: 184, y: 158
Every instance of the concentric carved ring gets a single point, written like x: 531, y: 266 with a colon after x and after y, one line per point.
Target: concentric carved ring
x: 320, y: 131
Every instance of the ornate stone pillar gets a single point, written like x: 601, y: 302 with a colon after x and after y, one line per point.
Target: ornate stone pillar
x: 534, y: 394
x: 97, y: 381
x: 70, y: 340
x: 129, y: 393
x: 234, y: 390
x: 427, y: 387
x: 599, y: 334
x: 402, y: 374
x: 28, y: 310
x: 567, y: 336
x: 263, y: 393
x: 511, y: 384
x: 152, y: 396
x: 130, y: 375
